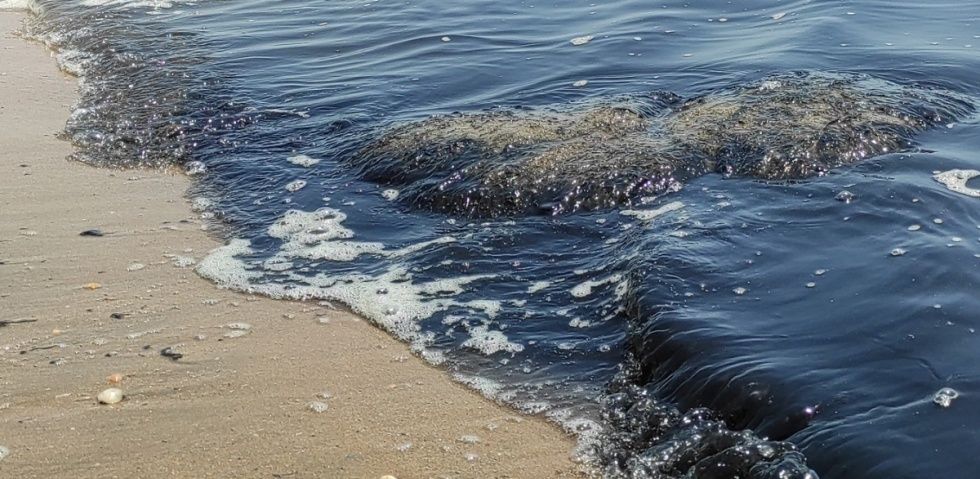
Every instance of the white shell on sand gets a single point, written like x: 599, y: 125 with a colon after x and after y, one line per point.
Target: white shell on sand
x: 4, y: 452
x: 111, y: 396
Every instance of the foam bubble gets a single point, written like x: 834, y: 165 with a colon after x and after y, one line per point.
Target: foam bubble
x: 390, y: 194
x: 538, y: 286
x: 955, y: 181
x: 295, y: 185
x: 319, y: 235
x: 303, y: 160
x: 490, y: 341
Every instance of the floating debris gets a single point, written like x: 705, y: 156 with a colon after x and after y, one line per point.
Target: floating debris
x: 193, y: 168
x: 898, y: 252
x: 740, y: 290
x: 577, y: 41
x: 945, y: 396
x: 110, y: 396
x: 915, y: 228
x: 580, y: 83
x: 779, y: 15
x: 446, y: 39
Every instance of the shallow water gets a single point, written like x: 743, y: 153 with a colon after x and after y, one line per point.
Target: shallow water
x: 774, y: 306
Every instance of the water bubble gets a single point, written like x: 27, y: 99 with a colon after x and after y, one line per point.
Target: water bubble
x: 846, y: 196
x: 945, y: 396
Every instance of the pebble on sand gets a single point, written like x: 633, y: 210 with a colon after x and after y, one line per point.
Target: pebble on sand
x: 92, y: 286
x: 110, y: 396
x: 114, y: 378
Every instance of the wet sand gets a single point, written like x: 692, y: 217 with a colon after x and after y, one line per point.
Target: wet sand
x: 229, y: 407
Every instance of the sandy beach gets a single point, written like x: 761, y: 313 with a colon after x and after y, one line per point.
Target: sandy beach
x: 75, y: 309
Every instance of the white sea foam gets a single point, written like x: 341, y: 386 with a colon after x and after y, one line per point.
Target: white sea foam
x: 130, y: 3
x: 538, y: 286
x: 955, y: 181
x: 303, y: 160
x: 19, y: 5
x: 489, y: 341
x: 295, y: 185
x: 320, y: 234
x: 647, y: 215
x: 582, y: 290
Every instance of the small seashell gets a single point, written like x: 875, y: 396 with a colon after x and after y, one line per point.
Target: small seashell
x: 110, y: 396
x: 92, y: 286
x: 4, y: 452
x: 114, y: 378
x: 317, y: 406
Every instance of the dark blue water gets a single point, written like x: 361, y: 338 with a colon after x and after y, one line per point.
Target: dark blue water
x: 768, y: 308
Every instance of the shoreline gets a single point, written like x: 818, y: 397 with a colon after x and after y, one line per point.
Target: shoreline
x: 239, y: 401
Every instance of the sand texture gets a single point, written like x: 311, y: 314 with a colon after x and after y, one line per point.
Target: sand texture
x: 230, y: 406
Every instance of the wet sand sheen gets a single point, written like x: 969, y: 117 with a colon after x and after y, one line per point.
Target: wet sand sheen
x: 229, y: 407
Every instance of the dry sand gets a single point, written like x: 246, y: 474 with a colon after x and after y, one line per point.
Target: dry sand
x: 230, y: 407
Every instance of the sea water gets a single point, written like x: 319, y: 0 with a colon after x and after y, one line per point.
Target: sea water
x: 760, y: 327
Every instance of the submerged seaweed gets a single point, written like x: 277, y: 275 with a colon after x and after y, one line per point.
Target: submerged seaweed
x: 590, y: 157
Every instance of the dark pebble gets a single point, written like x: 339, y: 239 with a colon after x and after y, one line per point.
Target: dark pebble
x: 91, y: 233
x: 168, y: 352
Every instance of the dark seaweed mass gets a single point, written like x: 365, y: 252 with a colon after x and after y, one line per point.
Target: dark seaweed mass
x: 596, y: 156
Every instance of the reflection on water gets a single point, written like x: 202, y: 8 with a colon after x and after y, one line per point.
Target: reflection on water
x: 728, y: 327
